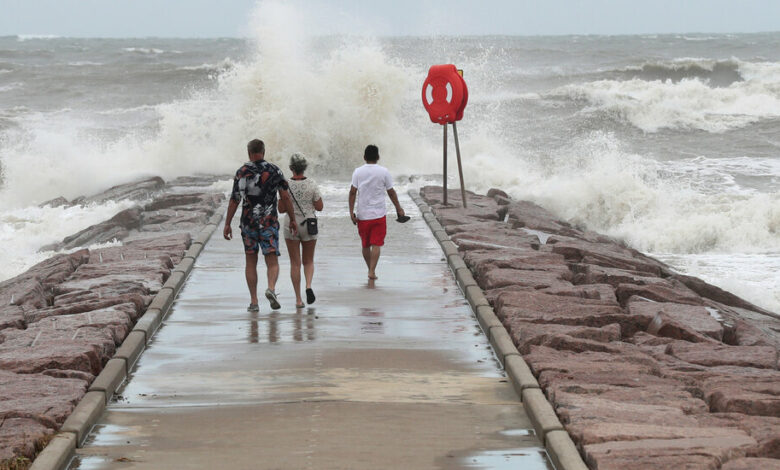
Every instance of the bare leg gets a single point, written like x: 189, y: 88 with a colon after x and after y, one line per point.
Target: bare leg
x: 294, y: 250
x: 373, y: 260
x: 272, y: 271
x: 251, y: 276
x: 308, y: 261
x: 367, y: 256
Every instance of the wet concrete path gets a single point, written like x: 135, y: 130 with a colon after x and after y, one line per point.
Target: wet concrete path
x: 392, y: 375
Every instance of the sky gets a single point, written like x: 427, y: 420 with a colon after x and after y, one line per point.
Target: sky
x: 231, y: 18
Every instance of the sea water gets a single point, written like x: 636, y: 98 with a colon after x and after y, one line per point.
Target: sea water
x: 669, y: 142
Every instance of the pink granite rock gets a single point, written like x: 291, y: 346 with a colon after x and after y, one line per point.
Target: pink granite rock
x: 11, y: 316
x: 116, y: 228
x: 593, y: 274
x: 539, y: 307
x: 751, y: 463
x: 666, y: 394
x: 527, y: 334
x: 136, y: 190
x: 21, y: 437
x: 715, y: 293
x: 678, y: 321
x: 610, y: 431
x: 150, y: 273
x: 113, y: 319
x: 496, y: 278
x: 131, y: 305
x: 664, y: 291
x: 761, y: 428
x: 608, y: 255
x: 48, y: 400
x: 720, y: 449
x: 753, y: 396
x: 711, y: 355
x: 494, y: 241
x: 581, y: 412
x: 35, y: 350
x: 602, y: 292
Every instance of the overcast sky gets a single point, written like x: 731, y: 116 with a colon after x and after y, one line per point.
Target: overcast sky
x: 230, y: 18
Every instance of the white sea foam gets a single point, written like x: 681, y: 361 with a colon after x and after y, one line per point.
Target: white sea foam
x: 689, y: 103
x: 143, y: 50
x: 41, y: 226
x: 30, y: 37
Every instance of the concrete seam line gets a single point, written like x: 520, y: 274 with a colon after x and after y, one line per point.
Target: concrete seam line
x: 57, y: 454
x: 131, y: 348
x: 520, y: 374
x: 110, y: 378
x: 541, y: 413
x: 502, y: 343
x: 487, y: 318
x: 174, y: 281
x: 563, y: 452
x: 149, y: 323
x: 85, y: 415
x: 456, y: 262
x: 475, y: 297
x: 163, y: 299
x: 441, y: 236
x: 449, y: 247
x: 194, y: 250
x: 464, y: 278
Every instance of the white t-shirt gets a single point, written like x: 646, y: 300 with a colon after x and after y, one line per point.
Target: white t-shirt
x: 372, y: 182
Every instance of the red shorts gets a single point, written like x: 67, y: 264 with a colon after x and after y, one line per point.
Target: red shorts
x: 372, y: 232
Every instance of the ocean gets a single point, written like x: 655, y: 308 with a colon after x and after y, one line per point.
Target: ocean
x: 669, y: 142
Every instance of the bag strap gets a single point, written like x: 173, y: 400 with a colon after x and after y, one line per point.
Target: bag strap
x: 299, y: 206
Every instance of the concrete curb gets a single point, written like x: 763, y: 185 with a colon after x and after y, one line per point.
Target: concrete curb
x: 84, y: 416
x: 60, y: 450
x: 563, y: 452
x: 561, y: 449
x: 520, y: 374
x: 131, y: 348
x: 110, y: 378
x: 175, y: 281
x: 149, y: 323
x: 57, y: 454
x: 194, y: 250
x: 185, y: 266
x: 502, y: 343
x: 163, y: 300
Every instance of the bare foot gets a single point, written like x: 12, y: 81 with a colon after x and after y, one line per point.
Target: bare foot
x: 372, y: 276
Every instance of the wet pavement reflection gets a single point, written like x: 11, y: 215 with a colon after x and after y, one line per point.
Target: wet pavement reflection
x: 388, y: 374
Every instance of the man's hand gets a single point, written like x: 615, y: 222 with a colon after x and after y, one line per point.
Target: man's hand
x: 227, y: 232
x: 400, y: 212
x: 353, y: 217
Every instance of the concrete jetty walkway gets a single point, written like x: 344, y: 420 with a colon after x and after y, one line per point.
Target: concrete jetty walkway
x: 392, y: 375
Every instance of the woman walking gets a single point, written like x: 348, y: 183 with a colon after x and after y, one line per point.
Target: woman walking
x: 306, y: 200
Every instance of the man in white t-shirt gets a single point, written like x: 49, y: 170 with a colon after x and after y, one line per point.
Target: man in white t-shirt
x: 370, y: 182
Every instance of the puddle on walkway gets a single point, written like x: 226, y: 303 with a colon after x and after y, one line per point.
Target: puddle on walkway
x: 520, y: 458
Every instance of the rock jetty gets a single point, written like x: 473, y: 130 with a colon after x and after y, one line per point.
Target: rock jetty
x: 646, y: 368
x: 62, y: 320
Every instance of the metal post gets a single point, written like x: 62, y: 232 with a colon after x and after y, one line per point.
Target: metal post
x: 460, y: 168
x: 444, y: 182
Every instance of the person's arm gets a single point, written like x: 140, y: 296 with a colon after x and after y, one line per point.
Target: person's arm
x: 352, y: 196
x: 286, y: 203
x: 317, y: 199
x: 394, y: 199
x: 227, y: 232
